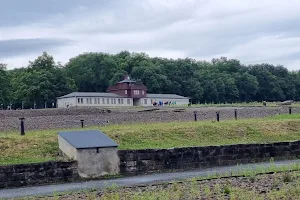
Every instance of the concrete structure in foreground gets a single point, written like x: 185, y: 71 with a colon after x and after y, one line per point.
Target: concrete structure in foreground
x: 96, y: 154
x: 125, y: 93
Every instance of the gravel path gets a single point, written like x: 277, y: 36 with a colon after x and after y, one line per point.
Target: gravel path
x: 70, y: 118
x: 131, y: 181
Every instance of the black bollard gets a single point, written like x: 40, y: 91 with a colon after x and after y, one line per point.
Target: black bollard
x: 290, y: 110
x: 195, y: 115
x: 22, y: 126
x: 235, y: 114
x: 82, y: 123
x: 218, y: 116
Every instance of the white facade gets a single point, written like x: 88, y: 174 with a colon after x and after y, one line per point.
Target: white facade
x: 93, y: 102
x: 171, y: 101
x: 82, y: 99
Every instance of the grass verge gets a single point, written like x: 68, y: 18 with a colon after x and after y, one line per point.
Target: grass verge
x: 42, y: 145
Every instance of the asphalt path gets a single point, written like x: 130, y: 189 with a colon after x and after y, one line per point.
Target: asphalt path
x: 133, y: 181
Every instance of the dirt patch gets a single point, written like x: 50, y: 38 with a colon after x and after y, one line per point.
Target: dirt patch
x: 70, y: 118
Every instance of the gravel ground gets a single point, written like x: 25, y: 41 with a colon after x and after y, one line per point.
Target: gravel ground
x: 70, y: 118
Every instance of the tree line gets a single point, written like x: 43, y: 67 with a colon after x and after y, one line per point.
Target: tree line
x: 221, y: 80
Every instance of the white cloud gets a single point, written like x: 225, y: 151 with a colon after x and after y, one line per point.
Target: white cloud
x: 249, y: 30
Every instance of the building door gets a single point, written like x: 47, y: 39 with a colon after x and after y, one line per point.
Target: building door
x: 137, y: 102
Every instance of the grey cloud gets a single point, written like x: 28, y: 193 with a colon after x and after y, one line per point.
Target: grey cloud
x: 199, y: 29
x: 11, y: 48
x: 16, y: 12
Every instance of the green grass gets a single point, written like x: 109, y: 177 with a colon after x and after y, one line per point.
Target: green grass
x: 40, y: 146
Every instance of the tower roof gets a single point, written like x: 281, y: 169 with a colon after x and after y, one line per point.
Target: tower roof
x: 127, y: 80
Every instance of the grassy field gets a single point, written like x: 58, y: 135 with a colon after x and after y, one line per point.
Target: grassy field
x: 40, y: 146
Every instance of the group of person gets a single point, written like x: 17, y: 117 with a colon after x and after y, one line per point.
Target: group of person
x: 161, y: 103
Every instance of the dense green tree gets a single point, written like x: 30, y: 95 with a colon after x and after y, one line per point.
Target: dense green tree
x: 42, y: 81
x: 218, y: 81
x: 247, y: 86
x: 92, y: 72
x: 5, y: 87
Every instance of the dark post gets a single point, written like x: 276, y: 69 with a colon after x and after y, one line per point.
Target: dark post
x: 218, y: 116
x: 235, y: 114
x: 82, y: 123
x: 22, y: 126
x: 290, y: 110
x: 195, y: 115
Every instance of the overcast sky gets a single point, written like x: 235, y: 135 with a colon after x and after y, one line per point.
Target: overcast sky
x: 253, y: 31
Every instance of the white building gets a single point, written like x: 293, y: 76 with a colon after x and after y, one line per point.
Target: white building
x: 90, y: 99
x: 124, y: 93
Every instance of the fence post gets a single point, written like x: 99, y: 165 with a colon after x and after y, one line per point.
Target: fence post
x: 218, y: 116
x: 195, y: 116
x: 82, y: 123
x: 22, y: 126
x: 235, y: 114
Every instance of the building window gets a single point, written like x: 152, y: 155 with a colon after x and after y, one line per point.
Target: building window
x: 119, y: 101
x: 143, y: 92
x: 103, y: 101
x: 115, y: 101
x: 107, y: 100
x: 136, y: 92
x: 95, y: 101
x: 122, y: 101
x: 89, y: 101
x: 112, y: 101
x: 80, y: 100
x: 125, y: 91
x: 145, y: 101
x: 128, y: 101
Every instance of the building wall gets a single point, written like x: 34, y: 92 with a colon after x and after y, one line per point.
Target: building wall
x: 149, y: 101
x: 132, y: 90
x: 98, y: 162
x: 94, y: 102
x: 66, y: 102
x: 67, y: 148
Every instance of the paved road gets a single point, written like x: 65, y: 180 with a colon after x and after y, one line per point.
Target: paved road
x: 130, y: 181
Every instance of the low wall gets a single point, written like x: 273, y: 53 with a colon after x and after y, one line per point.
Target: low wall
x: 153, y: 161
x: 38, y: 173
x: 135, y: 162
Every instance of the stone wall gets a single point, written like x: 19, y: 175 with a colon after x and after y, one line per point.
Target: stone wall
x: 152, y: 161
x: 135, y: 162
x: 38, y: 173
